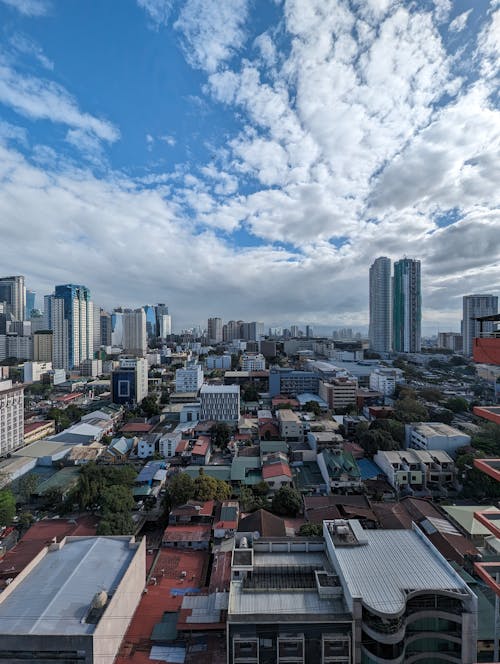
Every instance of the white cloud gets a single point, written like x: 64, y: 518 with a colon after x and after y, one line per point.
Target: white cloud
x: 212, y: 31
x: 42, y: 99
x: 10, y: 132
x: 29, y: 7
x: 157, y: 10
x: 24, y: 44
x: 442, y: 10
x: 459, y: 23
x: 169, y: 140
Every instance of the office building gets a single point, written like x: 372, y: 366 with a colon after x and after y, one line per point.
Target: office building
x: 431, y: 436
x: 13, y: 345
x: 163, y: 321
x: 380, y: 305
x: 476, y: 306
x: 451, y: 341
x: 30, y: 303
x: 189, y: 379
x: 150, y: 312
x: 129, y: 383
x: 220, y: 403
x: 253, y: 331
x: 291, y: 383
x: 37, y: 321
x: 339, y: 393
x: 42, y: 346
x: 13, y: 292
x: 11, y: 417
x: 117, y: 328
x: 106, y: 327
x: 33, y: 371
x: 214, y: 330
x: 78, y: 311
x: 134, y: 332
x: 406, y: 307
x: 253, y: 362
x: 73, y: 602
x: 385, y: 379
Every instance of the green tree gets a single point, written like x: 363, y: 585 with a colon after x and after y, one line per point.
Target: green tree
x: 312, y: 407
x: 249, y: 392
x: 457, y: 404
x: 395, y: 428
x: 116, y: 498
x: 261, y: 488
x: 27, y: 485
x: 209, y: 488
x: 287, y: 502
x: 431, y: 394
x: 116, y: 524
x: 487, y: 439
x: 410, y: 410
x: 220, y: 434
x: 7, y: 507
x: 374, y: 440
x: 476, y: 484
x: 181, y: 489
x: 150, y: 406
x: 360, y: 430
x: 311, y: 530
x: 25, y: 520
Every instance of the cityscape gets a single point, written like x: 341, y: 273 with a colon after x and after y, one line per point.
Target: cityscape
x: 249, y: 332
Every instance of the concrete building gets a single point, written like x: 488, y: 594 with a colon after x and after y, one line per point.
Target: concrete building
x: 73, y: 601
x: 402, y: 469
x: 290, y: 425
x: 214, y: 330
x: 11, y: 417
x: 414, y: 606
x: 253, y: 331
x: 231, y: 330
x: 406, y: 307
x: 189, y: 379
x: 253, y: 362
x: 451, y: 340
x: 78, y: 311
x: 42, y: 346
x: 135, y: 340
x: 220, y: 403
x: 339, y: 393
x: 221, y: 362
x: 385, y: 379
x: 33, y: 371
x: 92, y: 368
x: 59, y: 325
x: 129, y: 383
x: 105, y: 323
x: 435, y: 436
x: 13, y: 292
x: 380, y: 305
x: 13, y: 345
x: 290, y: 382
x: 476, y: 306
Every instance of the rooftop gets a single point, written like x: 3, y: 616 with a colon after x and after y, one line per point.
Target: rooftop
x: 391, y: 563
x: 55, y: 597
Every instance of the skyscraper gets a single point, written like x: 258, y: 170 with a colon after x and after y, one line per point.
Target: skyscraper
x: 30, y: 303
x: 380, y: 305
x: 78, y: 311
x: 151, y: 327
x: 105, y: 321
x: 214, y: 330
x: 476, y: 306
x: 406, y: 307
x: 134, y: 332
x: 13, y: 292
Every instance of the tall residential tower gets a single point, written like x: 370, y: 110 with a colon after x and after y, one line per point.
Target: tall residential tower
x: 406, y: 307
x: 380, y: 305
x: 476, y: 306
x: 78, y: 311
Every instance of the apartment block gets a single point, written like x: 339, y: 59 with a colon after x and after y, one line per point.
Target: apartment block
x: 11, y: 417
x: 339, y: 393
x: 220, y: 403
x: 290, y: 425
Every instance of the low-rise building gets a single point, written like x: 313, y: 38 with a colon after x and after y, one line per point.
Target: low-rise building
x: 34, y: 431
x: 385, y: 379
x: 33, y: 371
x: 290, y: 425
x: 402, y: 469
x: 339, y: 393
x: 435, y: 436
x: 227, y: 523
x: 340, y: 471
x: 220, y: 403
x: 253, y: 362
x: 189, y: 379
x: 11, y: 417
x: 119, y: 450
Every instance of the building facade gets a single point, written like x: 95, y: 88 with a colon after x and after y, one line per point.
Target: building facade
x: 406, y: 307
x: 13, y: 292
x: 380, y: 305
x: 476, y: 306
x: 129, y: 383
x: 189, y: 379
x: 214, y: 330
x: 220, y: 403
x: 135, y: 339
x: 73, y: 325
x: 11, y: 417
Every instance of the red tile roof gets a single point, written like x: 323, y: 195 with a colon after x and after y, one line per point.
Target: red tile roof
x: 186, y: 533
x: 200, y: 448
x: 136, y: 427
x: 33, y: 426
x: 276, y: 470
x: 65, y: 398
x: 206, y: 508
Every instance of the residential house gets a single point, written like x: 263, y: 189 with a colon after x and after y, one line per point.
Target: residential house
x: 227, y: 523
x: 340, y: 471
x: 119, y: 450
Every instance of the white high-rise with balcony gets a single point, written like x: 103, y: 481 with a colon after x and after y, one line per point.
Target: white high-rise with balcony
x: 380, y: 305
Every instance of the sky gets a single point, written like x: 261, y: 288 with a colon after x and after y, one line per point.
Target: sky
x: 249, y: 159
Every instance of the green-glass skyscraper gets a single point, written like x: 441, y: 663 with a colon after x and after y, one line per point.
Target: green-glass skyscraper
x: 406, y: 306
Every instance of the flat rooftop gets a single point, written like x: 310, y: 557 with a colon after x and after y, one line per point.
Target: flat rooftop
x: 55, y: 597
x: 390, y: 563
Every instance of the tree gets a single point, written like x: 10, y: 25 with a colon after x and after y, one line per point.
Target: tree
x: 150, y: 406
x: 27, y: 485
x: 476, y: 484
x: 181, y: 489
x: 116, y: 524
x: 409, y: 410
x: 287, y: 502
x: 220, y: 434
x: 487, y: 439
x: 249, y: 392
x: 209, y: 488
x: 376, y: 439
x: 395, y: 428
x: 116, y: 498
x: 25, y: 520
x: 7, y: 507
x: 312, y: 407
x: 311, y: 530
x: 431, y: 394
x: 457, y: 404
x: 261, y: 488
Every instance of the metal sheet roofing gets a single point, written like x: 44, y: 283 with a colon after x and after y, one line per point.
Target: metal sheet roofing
x: 56, y: 595
x: 390, y: 564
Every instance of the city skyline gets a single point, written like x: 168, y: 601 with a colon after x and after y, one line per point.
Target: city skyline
x: 273, y: 154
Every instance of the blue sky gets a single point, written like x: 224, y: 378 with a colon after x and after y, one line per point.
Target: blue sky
x: 251, y: 158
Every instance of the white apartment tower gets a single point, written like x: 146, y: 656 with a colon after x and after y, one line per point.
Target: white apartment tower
x: 214, y: 330
x: 11, y: 417
x: 476, y: 306
x: 134, y: 332
x: 380, y: 305
x: 189, y: 379
x: 72, y: 322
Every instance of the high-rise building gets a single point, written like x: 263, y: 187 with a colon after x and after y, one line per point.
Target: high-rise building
x: 214, y: 330
x: 232, y: 330
x: 151, y: 328
x: 30, y: 303
x: 253, y: 331
x: 161, y: 326
x: 380, y: 305
x: 96, y: 327
x: 11, y: 417
x: 220, y: 403
x: 135, y: 339
x: 78, y: 311
x: 59, y: 326
x: 42, y: 346
x: 117, y: 328
x: 129, y: 383
x: 406, y: 307
x: 13, y: 292
x: 105, y: 320
x: 476, y: 306
x: 164, y: 325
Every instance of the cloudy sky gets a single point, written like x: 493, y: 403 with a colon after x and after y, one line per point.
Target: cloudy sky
x: 250, y: 158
